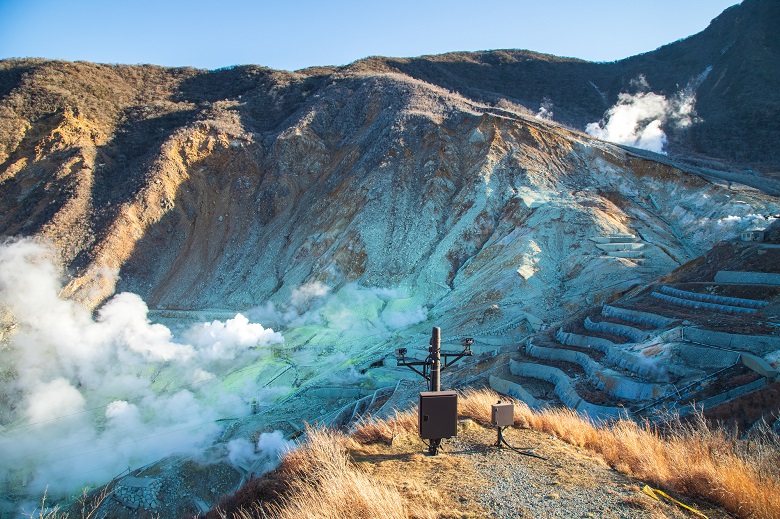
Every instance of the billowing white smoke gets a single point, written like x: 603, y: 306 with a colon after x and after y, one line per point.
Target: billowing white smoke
x: 744, y: 221
x: 226, y: 341
x: 638, y: 119
x: 372, y: 309
x: 83, y: 398
x: 395, y: 319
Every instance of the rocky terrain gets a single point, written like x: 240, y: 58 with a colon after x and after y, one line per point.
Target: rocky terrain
x: 342, y: 212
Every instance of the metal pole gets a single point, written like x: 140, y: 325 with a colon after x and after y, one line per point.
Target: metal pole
x: 436, y: 359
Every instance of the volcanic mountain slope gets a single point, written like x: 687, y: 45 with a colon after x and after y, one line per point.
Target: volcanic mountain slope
x: 730, y: 68
x: 223, y: 188
x: 200, y: 198
x: 411, y: 202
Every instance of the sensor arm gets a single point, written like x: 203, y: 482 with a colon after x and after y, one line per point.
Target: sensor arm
x: 458, y: 355
x: 411, y: 365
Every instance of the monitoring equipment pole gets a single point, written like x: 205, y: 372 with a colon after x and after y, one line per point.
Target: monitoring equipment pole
x: 436, y: 359
x: 438, y: 410
x: 430, y: 369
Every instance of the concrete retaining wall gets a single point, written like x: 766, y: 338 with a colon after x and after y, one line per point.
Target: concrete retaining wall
x: 732, y: 394
x: 136, y: 493
x: 758, y: 365
x: 747, y: 278
x: 344, y: 416
x: 589, y: 365
x: 713, y: 401
x: 620, y: 387
x: 513, y: 326
x: 615, y: 238
x: 606, y: 380
x: 703, y: 357
x: 628, y: 254
x: 404, y: 394
x: 515, y: 390
x: 709, y: 298
x: 584, y: 341
x: 631, y: 333
x: 361, y: 406
x: 635, y: 316
x: 381, y: 393
x: 634, y: 364
x: 616, y: 356
x: 700, y: 304
x: 614, y: 247
x: 756, y: 344
x: 565, y: 391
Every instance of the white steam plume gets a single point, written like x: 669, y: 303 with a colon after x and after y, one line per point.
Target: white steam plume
x: 226, y: 341
x: 84, y: 397
x: 546, y: 109
x: 261, y: 457
x: 369, y: 309
x: 638, y: 119
x: 81, y: 397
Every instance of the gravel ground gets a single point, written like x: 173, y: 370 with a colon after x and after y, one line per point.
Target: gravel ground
x: 569, y: 484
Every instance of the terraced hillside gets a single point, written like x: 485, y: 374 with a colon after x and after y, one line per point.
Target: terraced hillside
x: 690, y: 341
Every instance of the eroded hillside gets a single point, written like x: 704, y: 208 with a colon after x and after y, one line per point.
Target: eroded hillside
x: 200, y: 198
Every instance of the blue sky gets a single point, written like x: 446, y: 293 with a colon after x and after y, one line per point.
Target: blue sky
x: 293, y: 34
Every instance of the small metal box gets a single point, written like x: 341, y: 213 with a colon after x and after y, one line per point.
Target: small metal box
x: 503, y: 414
x: 438, y: 414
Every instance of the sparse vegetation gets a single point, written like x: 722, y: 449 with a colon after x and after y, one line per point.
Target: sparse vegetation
x: 320, y: 480
x: 694, y: 459
x: 85, y: 507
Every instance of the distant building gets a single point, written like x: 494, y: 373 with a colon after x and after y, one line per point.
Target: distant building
x: 753, y: 235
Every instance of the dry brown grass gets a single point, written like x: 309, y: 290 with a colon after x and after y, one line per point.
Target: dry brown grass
x: 384, y: 431
x: 85, y: 507
x: 322, y: 482
x: 332, y: 475
x: 692, y: 458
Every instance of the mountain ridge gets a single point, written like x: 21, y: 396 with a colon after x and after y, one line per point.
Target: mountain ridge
x: 738, y: 44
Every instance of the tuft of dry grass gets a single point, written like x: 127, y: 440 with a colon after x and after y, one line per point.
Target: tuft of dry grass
x: 87, y: 506
x: 371, y: 430
x: 475, y: 404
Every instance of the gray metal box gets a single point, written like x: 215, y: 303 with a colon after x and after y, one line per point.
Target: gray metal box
x: 503, y: 415
x: 438, y: 414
